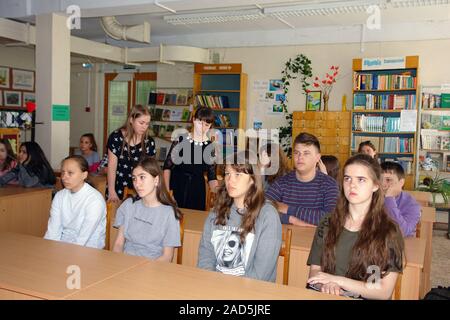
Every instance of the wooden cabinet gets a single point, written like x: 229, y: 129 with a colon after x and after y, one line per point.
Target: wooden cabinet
x: 332, y: 128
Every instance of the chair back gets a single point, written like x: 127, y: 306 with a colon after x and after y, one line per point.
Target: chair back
x: 285, y: 252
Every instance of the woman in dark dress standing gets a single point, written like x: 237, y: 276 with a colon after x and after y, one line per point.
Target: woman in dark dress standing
x: 190, y: 156
x: 126, y: 146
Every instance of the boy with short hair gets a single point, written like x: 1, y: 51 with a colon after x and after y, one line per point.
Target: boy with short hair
x: 400, y: 205
x: 304, y: 195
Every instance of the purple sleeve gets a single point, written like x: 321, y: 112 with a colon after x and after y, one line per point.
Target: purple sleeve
x: 406, y: 213
x: 274, y: 192
x: 314, y: 215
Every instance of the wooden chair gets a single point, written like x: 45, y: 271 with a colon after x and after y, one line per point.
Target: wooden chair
x: 422, y: 197
x: 180, y: 248
x: 128, y: 192
x: 111, y: 209
x: 285, y: 252
x: 396, y: 295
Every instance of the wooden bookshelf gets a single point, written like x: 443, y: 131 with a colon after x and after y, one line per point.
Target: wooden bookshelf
x: 433, y: 134
x: 224, y: 81
x: 383, y: 87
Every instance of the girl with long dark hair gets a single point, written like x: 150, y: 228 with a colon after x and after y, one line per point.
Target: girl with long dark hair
x: 358, y: 248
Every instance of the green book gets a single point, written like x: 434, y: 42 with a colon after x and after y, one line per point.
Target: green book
x: 445, y: 100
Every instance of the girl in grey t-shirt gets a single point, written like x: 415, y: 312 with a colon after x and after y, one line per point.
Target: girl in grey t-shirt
x: 148, y: 224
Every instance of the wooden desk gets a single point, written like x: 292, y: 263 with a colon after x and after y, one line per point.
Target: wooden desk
x: 25, y: 210
x: 36, y: 268
x: 302, y: 238
x: 158, y: 280
x: 427, y: 219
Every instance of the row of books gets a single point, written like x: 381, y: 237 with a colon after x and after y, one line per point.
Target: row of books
x: 432, y: 101
x: 363, y: 101
x: 165, y: 130
x: 434, y: 161
x: 176, y: 99
x: 369, y: 81
x: 373, y: 123
x: 405, y: 162
x: 159, y: 114
x: 211, y: 101
x: 434, y: 140
x: 222, y: 120
x: 386, y: 144
x: 435, y: 121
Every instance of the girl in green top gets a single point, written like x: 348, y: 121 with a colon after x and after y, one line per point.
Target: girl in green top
x: 357, y: 249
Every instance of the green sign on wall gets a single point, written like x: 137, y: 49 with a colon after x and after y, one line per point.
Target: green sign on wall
x: 60, y: 112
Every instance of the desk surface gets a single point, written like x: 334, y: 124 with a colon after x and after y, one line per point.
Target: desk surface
x: 37, y: 267
x: 157, y: 280
x: 15, y: 191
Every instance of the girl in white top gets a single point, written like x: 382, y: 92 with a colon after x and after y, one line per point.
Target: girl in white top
x: 78, y: 212
x: 148, y: 224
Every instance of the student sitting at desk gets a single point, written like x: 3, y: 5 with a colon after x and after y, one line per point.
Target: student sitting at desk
x: 148, y: 224
x: 7, y: 157
x: 304, y: 195
x: 33, y: 169
x: 242, y: 234
x: 401, y: 206
x: 78, y: 212
x: 358, y: 242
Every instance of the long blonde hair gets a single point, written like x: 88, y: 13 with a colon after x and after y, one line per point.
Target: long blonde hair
x: 136, y: 112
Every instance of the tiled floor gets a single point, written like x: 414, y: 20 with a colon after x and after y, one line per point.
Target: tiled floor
x: 440, y: 262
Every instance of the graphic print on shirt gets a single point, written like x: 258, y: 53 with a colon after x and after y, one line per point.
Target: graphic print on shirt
x: 231, y: 254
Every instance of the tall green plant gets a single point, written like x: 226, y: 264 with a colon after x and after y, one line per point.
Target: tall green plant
x: 297, y: 68
x: 436, y: 185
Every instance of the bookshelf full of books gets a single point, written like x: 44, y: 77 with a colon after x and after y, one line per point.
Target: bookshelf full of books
x: 223, y: 88
x: 434, y: 143
x: 384, y: 109
x: 171, y: 109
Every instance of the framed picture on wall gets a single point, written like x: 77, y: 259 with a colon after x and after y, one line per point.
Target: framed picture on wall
x: 4, y: 77
x: 22, y: 80
x: 313, y: 100
x: 12, y: 98
x: 28, y: 97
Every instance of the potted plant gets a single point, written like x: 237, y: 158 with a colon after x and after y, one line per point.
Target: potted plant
x: 437, y: 186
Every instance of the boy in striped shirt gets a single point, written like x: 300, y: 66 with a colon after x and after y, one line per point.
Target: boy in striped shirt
x: 304, y: 195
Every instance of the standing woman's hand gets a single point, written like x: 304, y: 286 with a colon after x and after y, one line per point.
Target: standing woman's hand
x: 322, y: 167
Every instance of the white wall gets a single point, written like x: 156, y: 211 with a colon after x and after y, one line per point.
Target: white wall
x: 267, y: 62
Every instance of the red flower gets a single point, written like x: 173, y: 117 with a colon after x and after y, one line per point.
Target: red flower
x: 317, y: 78
x: 308, y: 91
x: 316, y: 85
x: 332, y: 68
x: 323, y: 81
x: 329, y: 82
x: 335, y: 74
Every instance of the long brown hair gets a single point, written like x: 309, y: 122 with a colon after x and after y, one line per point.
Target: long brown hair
x: 152, y: 167
x: 136, y: 112
x: 244, y: 162
x: 283, y: 165
x: 377, y: 242
x: 91, y: 138
x: 10, y: 156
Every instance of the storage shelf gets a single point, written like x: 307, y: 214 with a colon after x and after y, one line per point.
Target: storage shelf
x: 165, y: 121
x: 226, y: 109
x: 402, y: 153
x: 389, y: 133
x: 434, y: 150
x: 387, y: 90
x: 380, y: 111
x: 237, y: 91
x: 436, y: 109
x: 170, y: 105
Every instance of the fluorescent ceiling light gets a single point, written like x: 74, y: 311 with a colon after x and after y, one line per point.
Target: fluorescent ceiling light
x: 312, y: 8
x: 214, y: 17
x: 323, y: 8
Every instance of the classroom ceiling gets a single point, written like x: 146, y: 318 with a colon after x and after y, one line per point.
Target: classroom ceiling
x: 329, y: 14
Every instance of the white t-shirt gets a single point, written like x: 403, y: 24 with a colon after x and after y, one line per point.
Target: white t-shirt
x: 78, y: 217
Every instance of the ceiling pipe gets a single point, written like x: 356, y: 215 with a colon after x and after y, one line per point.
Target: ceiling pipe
x: 117, y: 31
